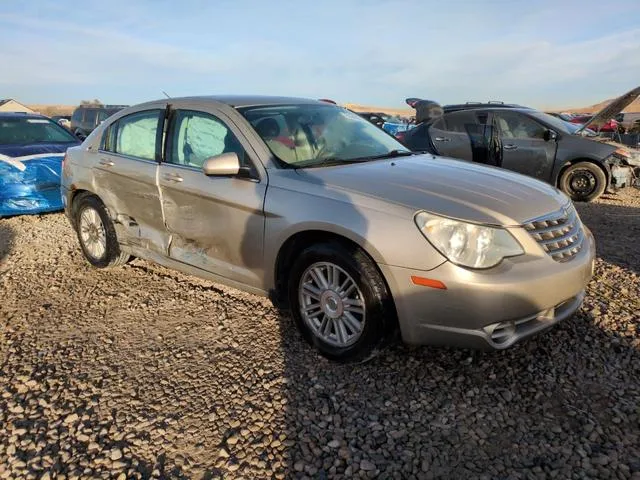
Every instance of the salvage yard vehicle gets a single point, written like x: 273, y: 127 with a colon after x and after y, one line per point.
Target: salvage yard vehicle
x: 87, y: 117
x: 31, y: 151
x: 312, y: 205
x: 530, y: 142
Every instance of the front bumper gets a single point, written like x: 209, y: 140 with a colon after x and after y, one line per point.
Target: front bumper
x: 491, y: 309
x: 621, y: 177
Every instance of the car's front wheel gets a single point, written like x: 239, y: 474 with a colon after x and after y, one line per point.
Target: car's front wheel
x: 340, y: 301
x: 96, y: 233
x: 583, y: 182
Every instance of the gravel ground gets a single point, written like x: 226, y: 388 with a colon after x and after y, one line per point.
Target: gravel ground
x: 142, y: 372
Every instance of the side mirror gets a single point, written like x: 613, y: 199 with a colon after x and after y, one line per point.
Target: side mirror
x: 550, y: 135
x: 224, y: 164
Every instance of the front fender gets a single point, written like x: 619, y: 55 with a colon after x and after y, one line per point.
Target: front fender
x: 388, y: 237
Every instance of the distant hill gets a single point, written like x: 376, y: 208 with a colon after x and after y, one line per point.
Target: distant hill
x: 402, y: 112
x: 633, y: 107
x: 50, y: 110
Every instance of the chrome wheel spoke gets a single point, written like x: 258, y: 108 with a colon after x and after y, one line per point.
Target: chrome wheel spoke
x: 334, y: 277
x: 327, y: 326
x: 319, y: 278
x: 353, y: 306
x: 341, y: 331
x: 312, y: 291
x: 349, y: 290
x: 311, y: 307
x: 354, y: 325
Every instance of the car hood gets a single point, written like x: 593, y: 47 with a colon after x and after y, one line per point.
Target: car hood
x: 614, y: 108
x: 448, y: 187
x: 14, y: 151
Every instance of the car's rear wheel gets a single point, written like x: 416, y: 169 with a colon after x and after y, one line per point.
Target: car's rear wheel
x: 583, y: 182
x: 340, y: 301
x: 96, y: 233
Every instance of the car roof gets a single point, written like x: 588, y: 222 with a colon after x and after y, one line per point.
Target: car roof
x: 471, y: 105
x: 100, y: 107
x: 21, y: 115
x: 491, y: 107
x: 239, y: 101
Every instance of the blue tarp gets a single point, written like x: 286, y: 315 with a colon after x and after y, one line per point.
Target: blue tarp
x: 394, y: 128
x: 30, y: 184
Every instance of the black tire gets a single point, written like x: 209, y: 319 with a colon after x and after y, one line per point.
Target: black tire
x: 380, y: 319
x: 112, y: 256
x: 583, y: 182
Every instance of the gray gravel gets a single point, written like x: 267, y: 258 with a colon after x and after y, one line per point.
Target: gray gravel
x: 142, y: 372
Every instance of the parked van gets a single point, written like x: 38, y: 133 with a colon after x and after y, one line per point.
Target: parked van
x: 87, y: 117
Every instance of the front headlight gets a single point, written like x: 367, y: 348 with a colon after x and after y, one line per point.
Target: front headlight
x: 468, y: 244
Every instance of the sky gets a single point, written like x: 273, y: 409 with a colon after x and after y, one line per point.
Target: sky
x: 546, y: 54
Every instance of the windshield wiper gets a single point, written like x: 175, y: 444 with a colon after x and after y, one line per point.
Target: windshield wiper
x: 327, y: 162
x: 392, y: 154
x: 332, y: 161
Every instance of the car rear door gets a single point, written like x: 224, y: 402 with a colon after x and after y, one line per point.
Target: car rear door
x: 466, y: 134
x: 125, y: 178
x: 215, y: 223
x: 524, y: 149
x: 448, y: 140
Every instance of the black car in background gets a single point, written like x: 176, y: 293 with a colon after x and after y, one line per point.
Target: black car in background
x: 87, y: 117
x: 526, y: 141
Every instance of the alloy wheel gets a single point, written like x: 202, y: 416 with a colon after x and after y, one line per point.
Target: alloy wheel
x: 331, y: 304
x: 92, y: 233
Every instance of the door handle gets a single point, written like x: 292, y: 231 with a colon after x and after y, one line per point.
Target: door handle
x: 442, y: 139
x: 106, y: 163
x: 510, y: 146
x: 173, y: 177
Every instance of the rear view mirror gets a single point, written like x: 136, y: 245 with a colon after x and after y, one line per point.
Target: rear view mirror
x: 550, y: 135
x: 224, y: 164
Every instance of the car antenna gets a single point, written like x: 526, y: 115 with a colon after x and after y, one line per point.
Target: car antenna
x: 165, y: 94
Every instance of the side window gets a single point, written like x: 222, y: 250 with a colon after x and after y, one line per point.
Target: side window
x: 197, y: 136
x: 137, y: 134
x: 461, y: 122
x: 516, y: 125
x: 102, y: 115
x: 107, y: 143
x: 90, y: 116
x: 482, y: 117
x: 439, y: 124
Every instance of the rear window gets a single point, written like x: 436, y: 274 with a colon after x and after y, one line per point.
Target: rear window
x: 29, y: 131
x: 137, y: 135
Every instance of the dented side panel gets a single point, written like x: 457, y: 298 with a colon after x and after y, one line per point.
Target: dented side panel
x: 216, y: 224
x: 128, y: 188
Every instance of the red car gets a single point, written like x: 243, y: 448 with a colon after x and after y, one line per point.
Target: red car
x: 609, y: 126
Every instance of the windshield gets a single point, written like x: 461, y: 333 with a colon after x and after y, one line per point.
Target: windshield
x: 561, y: 125
x: 310, y: 135
x: 555, y: 122
x: 28, y: 131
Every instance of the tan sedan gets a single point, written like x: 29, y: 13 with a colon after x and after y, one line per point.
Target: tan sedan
x: 313, y: 205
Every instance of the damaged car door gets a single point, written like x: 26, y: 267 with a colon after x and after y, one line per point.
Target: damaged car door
x: 526, y: 148
x: 449, y: 136
x: 125, y: 178
x: 215, y: 222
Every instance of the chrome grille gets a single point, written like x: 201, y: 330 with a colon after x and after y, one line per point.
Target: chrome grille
x: 559, y: 234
